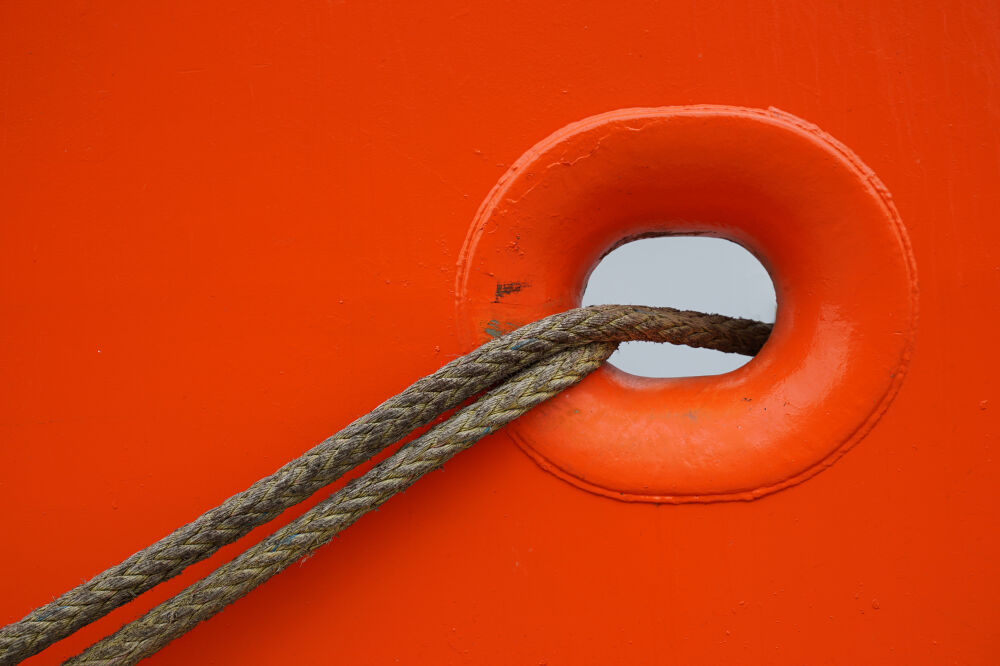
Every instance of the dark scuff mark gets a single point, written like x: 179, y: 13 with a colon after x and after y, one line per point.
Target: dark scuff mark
x: 505, y: 288
x: 495, y: 328
x: 522, y: 343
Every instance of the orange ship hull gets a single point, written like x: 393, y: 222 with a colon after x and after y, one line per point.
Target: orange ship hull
x: 229, y: 230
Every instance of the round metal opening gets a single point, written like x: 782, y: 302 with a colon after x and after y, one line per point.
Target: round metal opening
x: 688, y: 273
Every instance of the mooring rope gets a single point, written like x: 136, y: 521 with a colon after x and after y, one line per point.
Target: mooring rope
x: 522, y: 369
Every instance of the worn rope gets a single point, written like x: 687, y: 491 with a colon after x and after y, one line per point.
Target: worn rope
x: 413, y: 408
x: 318, y: 526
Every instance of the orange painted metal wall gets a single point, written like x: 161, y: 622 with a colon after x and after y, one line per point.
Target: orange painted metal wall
x: 227, y: 229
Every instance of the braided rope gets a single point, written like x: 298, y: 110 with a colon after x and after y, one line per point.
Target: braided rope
x: 318, y: 526
x: 416, y: 406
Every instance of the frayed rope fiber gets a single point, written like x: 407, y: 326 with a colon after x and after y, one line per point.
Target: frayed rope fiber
x: 518, y: 371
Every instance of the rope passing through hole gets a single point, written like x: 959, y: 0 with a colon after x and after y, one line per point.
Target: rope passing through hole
x: 517, y: 371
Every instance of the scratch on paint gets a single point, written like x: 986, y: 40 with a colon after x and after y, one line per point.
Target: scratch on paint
x: 505, y: 288
x: 495, y: 329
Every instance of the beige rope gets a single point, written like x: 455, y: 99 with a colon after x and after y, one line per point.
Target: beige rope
x: 541, y: 359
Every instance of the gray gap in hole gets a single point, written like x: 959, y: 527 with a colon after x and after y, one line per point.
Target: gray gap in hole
x: 688, y: 273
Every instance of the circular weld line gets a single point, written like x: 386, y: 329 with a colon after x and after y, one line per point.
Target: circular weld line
x: 816, y: 217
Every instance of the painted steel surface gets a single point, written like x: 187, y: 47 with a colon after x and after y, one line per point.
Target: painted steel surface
x: 230, y: 229
x: 817, y: 218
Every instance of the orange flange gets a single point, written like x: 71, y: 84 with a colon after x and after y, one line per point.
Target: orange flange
x: 818, y: 219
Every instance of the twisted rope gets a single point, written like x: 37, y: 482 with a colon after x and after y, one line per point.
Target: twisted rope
x: 318, y: 526
x: 541, y: 359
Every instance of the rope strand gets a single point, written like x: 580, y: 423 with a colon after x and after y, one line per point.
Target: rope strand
x: 418, y: 405
x: 318, y: 526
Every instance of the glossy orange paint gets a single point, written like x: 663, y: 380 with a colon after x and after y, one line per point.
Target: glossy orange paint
x: 228, y: 229
x: 816, y: 217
